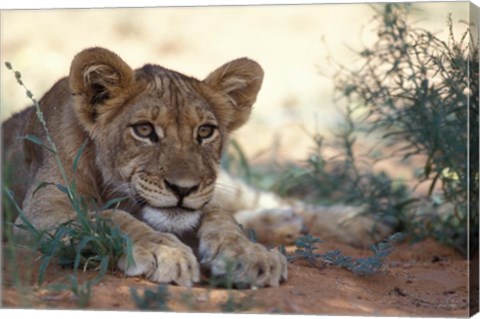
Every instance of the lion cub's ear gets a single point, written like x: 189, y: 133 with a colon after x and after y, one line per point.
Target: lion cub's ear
x: 101, y: 82
x: 239, y: 80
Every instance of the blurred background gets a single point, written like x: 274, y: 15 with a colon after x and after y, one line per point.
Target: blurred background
x: 292, y: 43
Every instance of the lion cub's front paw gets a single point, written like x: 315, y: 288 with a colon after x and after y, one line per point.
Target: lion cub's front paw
x: 250, y: 264
x: 162, y: 258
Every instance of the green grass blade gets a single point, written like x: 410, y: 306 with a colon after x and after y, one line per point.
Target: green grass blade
x: 62, y: 188
x: 21, y: 214
x: 49, y: 250
x: 40, y: 186
x: 103, y: 269
x: 43, y: 267
x: 113, y: 202
x: 79, y: 154
x: 81, y: 245
x: 129, y: 249
x: 34, y: 139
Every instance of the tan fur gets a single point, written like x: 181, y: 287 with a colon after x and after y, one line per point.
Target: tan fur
x: 168, y: 175
x: 99, y: 102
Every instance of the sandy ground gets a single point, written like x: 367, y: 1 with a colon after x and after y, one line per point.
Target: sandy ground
x: 424, y: 279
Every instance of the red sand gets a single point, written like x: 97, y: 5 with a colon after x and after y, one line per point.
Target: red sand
x: 424, y: 279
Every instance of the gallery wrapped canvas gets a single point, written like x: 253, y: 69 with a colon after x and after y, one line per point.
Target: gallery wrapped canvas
x: 259, y: 159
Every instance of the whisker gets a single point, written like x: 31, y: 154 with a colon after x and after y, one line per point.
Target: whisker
x: 123, y: 189
x: 228, y: 189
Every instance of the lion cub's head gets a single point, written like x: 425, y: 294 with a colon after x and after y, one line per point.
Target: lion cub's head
x: 158, y: 134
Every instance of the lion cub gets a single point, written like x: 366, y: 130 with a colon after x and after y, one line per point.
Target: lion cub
x: 156, y: 136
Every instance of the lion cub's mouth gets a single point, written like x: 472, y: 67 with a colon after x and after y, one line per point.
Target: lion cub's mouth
x: 172, y: 219
x: 175, y: 209
x: 171, y: 209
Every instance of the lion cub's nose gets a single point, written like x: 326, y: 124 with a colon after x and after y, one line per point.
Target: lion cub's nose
x: 181, y: 189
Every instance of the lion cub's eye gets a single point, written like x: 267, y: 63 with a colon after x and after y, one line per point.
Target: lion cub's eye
x: 145, y: 130
x: 205, y: 131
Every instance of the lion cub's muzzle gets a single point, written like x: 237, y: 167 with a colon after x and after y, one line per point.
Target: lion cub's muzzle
x: 172, y: 205
x: 168, y: 193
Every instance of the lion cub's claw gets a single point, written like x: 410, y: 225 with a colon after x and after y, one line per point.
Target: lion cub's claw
x: 248, y: 263
x: 162, y: 258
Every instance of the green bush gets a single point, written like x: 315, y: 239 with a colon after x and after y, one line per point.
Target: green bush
x: 418, y: 96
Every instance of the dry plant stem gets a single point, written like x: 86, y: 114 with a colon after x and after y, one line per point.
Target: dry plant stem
x: 39, y: 113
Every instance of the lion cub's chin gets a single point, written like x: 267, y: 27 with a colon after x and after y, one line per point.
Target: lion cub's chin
x: 171, y: 220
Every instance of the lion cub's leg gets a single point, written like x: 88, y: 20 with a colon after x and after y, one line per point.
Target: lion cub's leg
x: 272, y: 218
x: 222, y: 242
x: 276, y: 220
x: 160, y: 257
x: 343, y: 223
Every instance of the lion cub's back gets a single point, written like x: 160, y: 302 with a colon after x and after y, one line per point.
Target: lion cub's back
x: 21, y: 158
x: 15, y: 173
